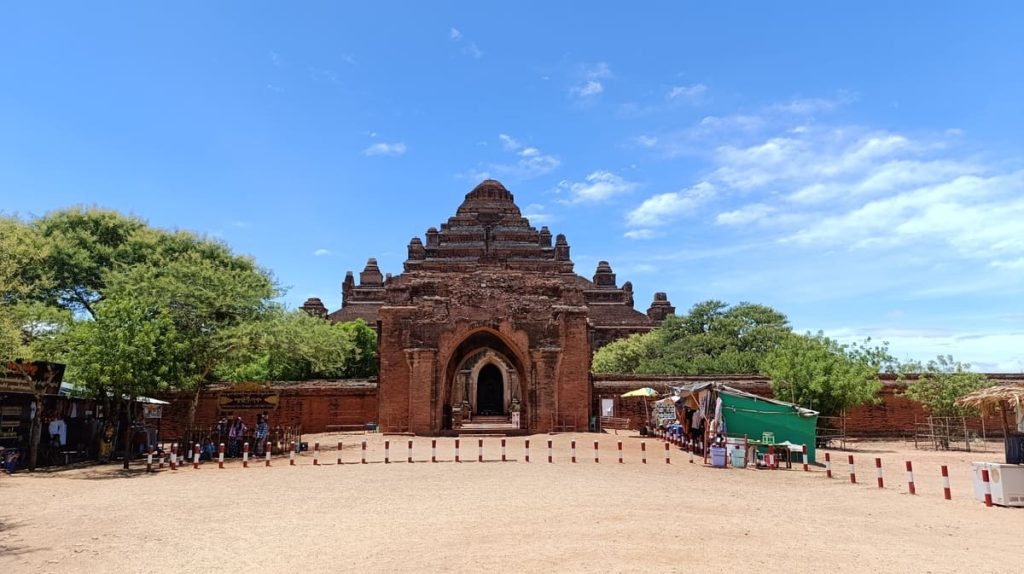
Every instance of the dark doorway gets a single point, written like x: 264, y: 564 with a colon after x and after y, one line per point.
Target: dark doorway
x: 490, y: 391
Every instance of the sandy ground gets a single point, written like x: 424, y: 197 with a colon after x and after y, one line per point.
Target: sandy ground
x: 512, y: 516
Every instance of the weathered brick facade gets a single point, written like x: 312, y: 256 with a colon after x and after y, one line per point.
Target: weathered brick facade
x: 487, y: 288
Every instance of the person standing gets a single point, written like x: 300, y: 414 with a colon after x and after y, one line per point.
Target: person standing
x: 262, y: 432
x: 235, y: 434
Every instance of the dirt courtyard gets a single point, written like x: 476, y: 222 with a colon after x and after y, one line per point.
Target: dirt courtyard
x: 511, y: 516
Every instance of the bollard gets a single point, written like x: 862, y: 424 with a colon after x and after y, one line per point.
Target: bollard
x: 853, y: 471
x: 620, y: 452
x: 220, y: 456
x: 691, y: 456
x: 503, y: 450
x: 527, y: 450
x: 946, y: 493
x: 910, y: 478
x: 245, y: 455
x: 573, y: 448
x: 316, y: 453
x: 987, y: 487
x: 457, y: 459
x: 266, y: 455
x: 195, y: 456
x: 668, y: 452
x: 387, y: 452
x: 291, y: 455
x: 828, y: 465
x: 550, y: 454
x: 771, y: 460
x: 596, y: 459
x: 643, y: 452
x: 149, y: 460
x: 160, y: 461
x: 480, y: 450
x: 806, y: 464
x: 433, y: 450
x: 410, y: 452
x: 363, y: 459
x: 339, y: 452
x: 174, y: 456
x: 878, y: 473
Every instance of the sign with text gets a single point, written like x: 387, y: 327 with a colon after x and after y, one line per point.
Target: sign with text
x: 247, y: 401
x: 31, y: 377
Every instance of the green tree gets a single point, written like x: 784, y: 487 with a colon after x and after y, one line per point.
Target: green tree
x: 711, y: 338
x: 820, y: 373
x: 942, y: 381
x: 292, y: 345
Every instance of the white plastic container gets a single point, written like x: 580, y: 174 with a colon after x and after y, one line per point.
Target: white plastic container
x: 1006, y: 482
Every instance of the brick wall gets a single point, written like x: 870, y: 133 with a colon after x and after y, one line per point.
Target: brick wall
x: 311, y: 405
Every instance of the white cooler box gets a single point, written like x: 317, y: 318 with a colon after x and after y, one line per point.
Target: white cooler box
x: 1005, y: 480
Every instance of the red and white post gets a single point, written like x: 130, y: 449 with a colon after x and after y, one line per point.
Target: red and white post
x: 339, y: 453
x: 480, y: 450
x: 174, y: 456
x: 433, y: 450
x: 807, y: 467
x: 220, y: 456
x: 986, y: 487
x: 668, y: 454
x: 291, y: 455
x: 620, y: 452
x: 409, y: 459
x: 853, y: 471
x: 362, y: 460
x: 457, y: 459
x: 195, y: 456
x: 503, y: 459
x: 946, y: 492
x: 643, y: 452
x: 527, y: 450
x: 316, y: 453
x: 828, y: 465
x: 596, y: 457
x: 551, y: 454
x: 387, y: 452
x: 878, y: 473
x: 910, y: 478
x: 266, y: 455
x: 572, y: 450
x: 245, y: 455
x: 149, y: 459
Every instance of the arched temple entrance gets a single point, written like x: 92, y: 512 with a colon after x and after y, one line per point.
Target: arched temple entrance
x: 483, y: 379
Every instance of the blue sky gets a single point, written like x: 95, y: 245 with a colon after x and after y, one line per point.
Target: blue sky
x: 858, y: 167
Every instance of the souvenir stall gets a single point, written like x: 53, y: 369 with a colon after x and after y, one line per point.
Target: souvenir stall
x: 1006, y: 480
x: 739, y: 427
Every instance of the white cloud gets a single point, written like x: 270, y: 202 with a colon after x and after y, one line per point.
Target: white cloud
x: 322, y: 252
x: 530, y: 162
x: 537, y: 214
x: 686, y: 93
x: 276, y: 59
x: 382, y: 148
x: 745, y: 215
x: 275, y: 88
x: 596, y: 187
x: 989, y: 352
x: 469, y: 47
x: 666, y: 207
x: 646, y: 141
x: 323, y: 75
x: 509, y: 143
x: 590, y: 84
x: 641, y: 234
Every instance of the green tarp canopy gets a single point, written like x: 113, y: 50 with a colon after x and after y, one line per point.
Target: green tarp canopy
x: 753, y: 416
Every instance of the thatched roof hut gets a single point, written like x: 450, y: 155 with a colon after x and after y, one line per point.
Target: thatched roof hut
x: 1001, y: 397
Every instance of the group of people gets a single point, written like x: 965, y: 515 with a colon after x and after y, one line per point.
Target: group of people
x: 236, y: 433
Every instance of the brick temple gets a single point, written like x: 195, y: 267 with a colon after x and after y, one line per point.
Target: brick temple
x: 487, y: 318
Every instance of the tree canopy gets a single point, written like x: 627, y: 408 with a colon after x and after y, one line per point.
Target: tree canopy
x: 940, y: 382
x: 711, y: 338
x: 822, y: 374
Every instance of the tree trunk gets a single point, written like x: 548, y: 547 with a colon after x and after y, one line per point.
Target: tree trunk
x: 193, y: 406
x: 128, y: 433
x: 35, y: 434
